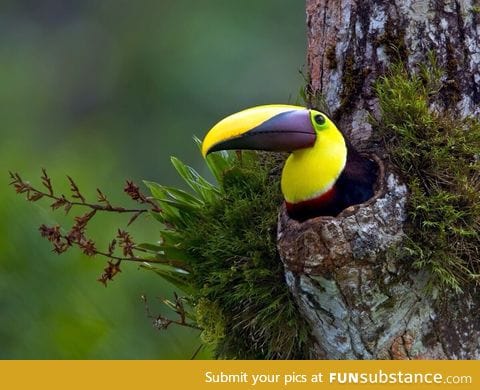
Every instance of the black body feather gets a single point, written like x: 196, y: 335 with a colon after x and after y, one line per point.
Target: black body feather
x: 357, y: 181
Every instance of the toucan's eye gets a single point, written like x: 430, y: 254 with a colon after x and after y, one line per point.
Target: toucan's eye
x: 319, y: 119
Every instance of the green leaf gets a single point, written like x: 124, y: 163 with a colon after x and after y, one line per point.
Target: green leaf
x: 159, y: 193
x: 174, y: 253
x: 202, y: 187
x: 149, y: 247
x: 162, y: 192
x: 170, y: 237
x: 180, y: 195
x: 158, y: 216
x: 217, y: 162
x: 180, y: 205
x: 169, y: 214
x: 165, y: 252
x: 172, y: 275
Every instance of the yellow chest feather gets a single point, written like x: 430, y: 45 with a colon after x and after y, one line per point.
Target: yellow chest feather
x: 311, y: 172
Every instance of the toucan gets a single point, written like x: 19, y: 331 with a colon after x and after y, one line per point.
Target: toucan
x: 323, y: 174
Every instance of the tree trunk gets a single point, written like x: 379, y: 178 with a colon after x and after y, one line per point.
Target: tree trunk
x: 361, y: 301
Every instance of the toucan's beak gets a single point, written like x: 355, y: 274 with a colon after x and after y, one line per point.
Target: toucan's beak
x: 280, y: 128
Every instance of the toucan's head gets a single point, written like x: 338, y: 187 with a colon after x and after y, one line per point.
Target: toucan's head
x: 318, y: 150
x: 281, y: 128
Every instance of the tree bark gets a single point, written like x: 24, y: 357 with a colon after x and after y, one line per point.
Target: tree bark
x: 352, y: 42
x: 361, y: 300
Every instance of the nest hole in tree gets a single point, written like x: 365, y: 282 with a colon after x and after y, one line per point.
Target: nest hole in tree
x: 319, y: 245
x: 377, y: 190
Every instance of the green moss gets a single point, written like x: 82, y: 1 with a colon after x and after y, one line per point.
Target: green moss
x: 393, y: 39
x: 451, y: 89
x: 225, y: 236
x: 210, y: 319
x: 475, y: 9
x: 352, y: 82
x: 438, y: 156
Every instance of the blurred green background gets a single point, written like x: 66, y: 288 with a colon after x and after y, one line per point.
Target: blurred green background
x: 106, y: 91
